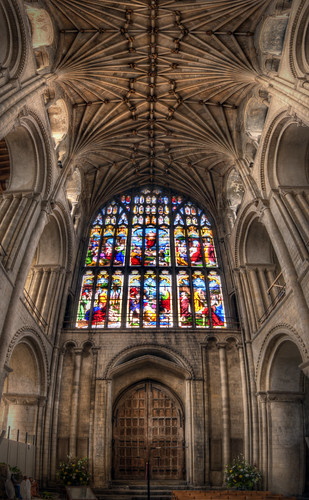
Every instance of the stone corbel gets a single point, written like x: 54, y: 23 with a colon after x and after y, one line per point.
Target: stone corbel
x: 304, y: 367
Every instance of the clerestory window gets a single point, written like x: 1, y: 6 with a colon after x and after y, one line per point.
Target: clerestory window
x: 151, y: 263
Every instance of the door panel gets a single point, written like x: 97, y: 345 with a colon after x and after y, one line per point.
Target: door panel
x: 148, y: 426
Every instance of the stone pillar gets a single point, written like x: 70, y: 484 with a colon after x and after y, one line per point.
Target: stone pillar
x: 244, y: 391
x: 262, y: 403
x: 206, y: 415
x: 39, y: 433
x: 226, y: 434
x: 75, y: 400
x: 54, y: 435
x: 95, y: 351
x: 264, y: 287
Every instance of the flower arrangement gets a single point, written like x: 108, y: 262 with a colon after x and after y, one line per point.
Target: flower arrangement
x: 73, y: 472
x: 241, y: 475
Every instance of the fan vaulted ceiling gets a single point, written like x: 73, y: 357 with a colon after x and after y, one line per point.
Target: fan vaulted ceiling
x: 155, y: 88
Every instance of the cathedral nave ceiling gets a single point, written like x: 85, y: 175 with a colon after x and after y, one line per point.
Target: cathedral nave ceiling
x: 155, y: 89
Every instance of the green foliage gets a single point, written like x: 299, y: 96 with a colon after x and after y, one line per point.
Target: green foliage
x: 73, y: 472
x: 46, y: 495
x: 241, y: 475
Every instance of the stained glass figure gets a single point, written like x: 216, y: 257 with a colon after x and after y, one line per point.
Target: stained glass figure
x: 150, y: 246
x: 134, y: 300
x: 209, y: 249
x: 200, y: 300
x: 180, y: 246
x: 120, y: 245
x: 164, y: 246
x: 216, y: 300
x: 93, y: 247
x: 84, y: 303
x: 148, y: 239
x: 165, y: 300
x: 195, y: 250
x: 184, y: 300
x: 107, y: 246
x: 115, y: 300
x: 150, y: 300
x: 136, y: 246
x: 100, y: 301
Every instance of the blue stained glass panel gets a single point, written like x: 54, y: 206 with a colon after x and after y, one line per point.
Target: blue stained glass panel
x: 150, y: 301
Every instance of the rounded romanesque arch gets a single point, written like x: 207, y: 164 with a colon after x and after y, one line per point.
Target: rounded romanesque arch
x: 283, y: 401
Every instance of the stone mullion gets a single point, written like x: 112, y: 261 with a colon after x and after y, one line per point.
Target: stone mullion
x: 42, y: 290
x: 244, y: 390
x: 57, y: 297
x: 271, y: 278
x: 55, y: 416
x: 8, y: 219
x: 226, y: 432
x: 46, y: 303
x: 290, y: 223
x: 259, y: 310
x: 38, y: 273
x: 75, y: 400
x: 247, y: 297
x: 288, y: 266
x: 300, y: 219
x: 4, y: 206
x: 16, y: 226
x: 264, y: 286
x: 303, y: 203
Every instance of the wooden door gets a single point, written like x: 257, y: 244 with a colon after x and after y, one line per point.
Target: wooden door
x: 148, y: 425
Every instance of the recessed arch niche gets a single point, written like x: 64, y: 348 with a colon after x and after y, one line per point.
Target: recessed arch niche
x: 292, y: 156
x: 286, y: 410
x: 23, y: 390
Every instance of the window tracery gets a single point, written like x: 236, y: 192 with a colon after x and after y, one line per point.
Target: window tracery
x: 151, y: 263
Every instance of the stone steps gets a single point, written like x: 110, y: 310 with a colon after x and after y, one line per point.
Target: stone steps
x: 121, y: 490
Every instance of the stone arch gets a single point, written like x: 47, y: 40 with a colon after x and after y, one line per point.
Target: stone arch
x: 29, y: 150
x: 282, y: 390
x: 286, y: 144
x: 13, y: 39
x: 25, y: 387
x: 299, y: 42
x: 157, y: 352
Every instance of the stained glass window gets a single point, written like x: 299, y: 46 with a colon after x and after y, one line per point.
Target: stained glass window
x: 151, y: 262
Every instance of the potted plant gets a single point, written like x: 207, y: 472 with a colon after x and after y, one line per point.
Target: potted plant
x: 240, y: 475
x: 73, y: 472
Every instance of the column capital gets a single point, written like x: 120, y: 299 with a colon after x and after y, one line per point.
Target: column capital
x: 304, y: 367
x: 221, y: 345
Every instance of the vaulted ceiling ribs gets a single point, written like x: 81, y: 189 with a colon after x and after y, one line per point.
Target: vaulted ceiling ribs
x: 155, y: 85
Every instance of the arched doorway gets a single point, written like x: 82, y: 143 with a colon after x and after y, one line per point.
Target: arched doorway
x: 148, y: 425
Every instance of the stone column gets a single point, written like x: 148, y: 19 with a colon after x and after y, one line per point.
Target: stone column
x: 226, y: 433
x: 206, y: 414
x: 262, y: 403
x: 95, y: 351
x: 39, y: 433
x: 75, y: 400
x: 264, y: 287
x: 248, y: 299
x: 54, y: 434
x: 244, y: 390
